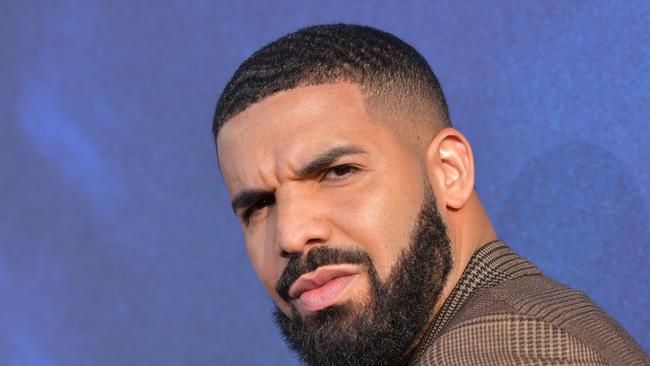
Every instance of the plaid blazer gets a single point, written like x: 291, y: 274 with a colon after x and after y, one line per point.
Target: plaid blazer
x: 503, y: 311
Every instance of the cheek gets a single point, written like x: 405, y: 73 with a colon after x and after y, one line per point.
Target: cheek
x: 379, y: 217
x: 266, y: 264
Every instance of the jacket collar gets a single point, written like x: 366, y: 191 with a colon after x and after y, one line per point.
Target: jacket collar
x: 490, y: 265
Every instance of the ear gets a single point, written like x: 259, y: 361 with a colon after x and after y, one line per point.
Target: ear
x: 450, y: 168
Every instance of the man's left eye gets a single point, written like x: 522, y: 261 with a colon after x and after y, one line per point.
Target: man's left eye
x: 339, y: 172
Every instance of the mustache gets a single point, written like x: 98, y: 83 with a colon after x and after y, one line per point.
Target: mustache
x: 317, y: 257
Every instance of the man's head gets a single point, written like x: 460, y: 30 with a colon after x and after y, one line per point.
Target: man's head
x: 335, y: 145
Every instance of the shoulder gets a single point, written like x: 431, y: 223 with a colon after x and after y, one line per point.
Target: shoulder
x: 532, y: 320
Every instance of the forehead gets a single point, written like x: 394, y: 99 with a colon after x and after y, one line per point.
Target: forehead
x: 283, y: 130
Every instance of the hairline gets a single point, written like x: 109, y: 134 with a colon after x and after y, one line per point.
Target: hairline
x: 437, y: 117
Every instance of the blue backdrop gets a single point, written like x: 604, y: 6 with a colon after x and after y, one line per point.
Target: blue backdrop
x: 117, y: 245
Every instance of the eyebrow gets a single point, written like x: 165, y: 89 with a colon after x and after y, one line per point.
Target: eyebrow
x: 319, y: 162
x: 327, y: 158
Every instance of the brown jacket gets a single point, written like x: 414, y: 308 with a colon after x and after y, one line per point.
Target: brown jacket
x: 503, y: 311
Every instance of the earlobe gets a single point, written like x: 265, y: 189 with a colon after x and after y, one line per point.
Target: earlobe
x: 450, y: 167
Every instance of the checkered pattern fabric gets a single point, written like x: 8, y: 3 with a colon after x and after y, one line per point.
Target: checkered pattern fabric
x: 503, y: 311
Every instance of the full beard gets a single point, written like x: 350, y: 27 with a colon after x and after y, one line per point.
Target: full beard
x: 380, y: 331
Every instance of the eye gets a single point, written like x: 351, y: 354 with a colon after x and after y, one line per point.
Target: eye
x: 339, y: 172
x: 258, y: 205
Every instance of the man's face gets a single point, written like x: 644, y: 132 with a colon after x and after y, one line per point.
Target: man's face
x: 310, y: 170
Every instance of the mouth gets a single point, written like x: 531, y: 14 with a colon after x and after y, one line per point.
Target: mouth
x: 323, y: 287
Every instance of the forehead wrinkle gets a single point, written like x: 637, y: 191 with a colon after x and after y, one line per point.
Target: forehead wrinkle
x: 279, y: 165
x: 267, y: 171
x: 254, y: 179
x: 289, y: 159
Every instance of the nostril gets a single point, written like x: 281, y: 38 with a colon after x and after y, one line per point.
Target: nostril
x: 314, y: 241
x: 286, y: 255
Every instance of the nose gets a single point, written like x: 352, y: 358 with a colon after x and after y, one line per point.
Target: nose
x: 299, y: 225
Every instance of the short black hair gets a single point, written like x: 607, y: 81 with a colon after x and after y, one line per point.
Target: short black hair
x: 382, y: 64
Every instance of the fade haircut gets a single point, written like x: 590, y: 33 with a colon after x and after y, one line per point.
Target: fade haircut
x: 391, y: 74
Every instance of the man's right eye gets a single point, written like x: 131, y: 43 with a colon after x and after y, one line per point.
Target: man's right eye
x: 256, y: 206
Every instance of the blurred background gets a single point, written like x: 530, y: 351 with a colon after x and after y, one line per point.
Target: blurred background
x: 117, y: 243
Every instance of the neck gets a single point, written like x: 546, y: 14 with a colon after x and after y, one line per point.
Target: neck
x: 468, y: 228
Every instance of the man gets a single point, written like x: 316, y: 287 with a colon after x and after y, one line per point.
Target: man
x: 357, y: 202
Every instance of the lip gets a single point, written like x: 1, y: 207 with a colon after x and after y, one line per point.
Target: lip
x: 320, y: 277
